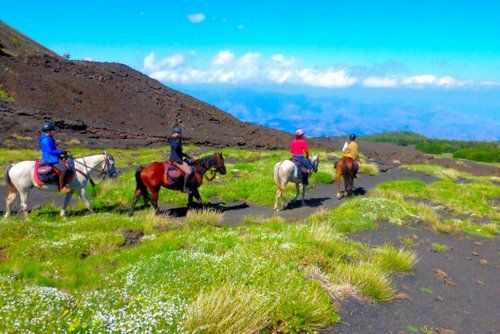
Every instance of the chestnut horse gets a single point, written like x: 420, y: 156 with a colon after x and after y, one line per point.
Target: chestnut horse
x: 345, y: 169
x: 151, y: 178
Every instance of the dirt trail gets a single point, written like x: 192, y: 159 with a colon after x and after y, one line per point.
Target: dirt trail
x: 321, y: 196
x: 469, y: 307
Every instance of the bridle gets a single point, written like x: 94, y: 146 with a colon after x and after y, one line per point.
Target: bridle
x: 213, y: 170
x: 103, y: 171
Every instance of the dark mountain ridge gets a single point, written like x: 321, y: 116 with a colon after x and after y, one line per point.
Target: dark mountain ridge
x: 106, y: 104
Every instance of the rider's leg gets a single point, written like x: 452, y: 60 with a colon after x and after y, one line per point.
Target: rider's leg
x: 188, y: 171
x: 356, y: 168
x: 62, y: 176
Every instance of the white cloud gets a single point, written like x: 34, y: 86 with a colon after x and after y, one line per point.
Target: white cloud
x: 380, y: 82
x: 254, y: 68
x: 223, y: 58
x: 328, y: 78
x: 241, y: 26
x: 196, y: 17
x: 88, y: 59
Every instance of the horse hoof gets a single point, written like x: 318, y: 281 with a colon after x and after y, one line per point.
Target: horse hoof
x: 339, y: 196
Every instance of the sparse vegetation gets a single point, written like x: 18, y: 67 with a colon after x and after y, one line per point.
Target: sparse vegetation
x: 4, y: 96
x: 471, y: 150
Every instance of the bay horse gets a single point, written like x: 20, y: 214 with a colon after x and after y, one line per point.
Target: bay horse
x: 345, y: 169
x: 20, y: 179
x: 284, y: 172
x: 151, y: 178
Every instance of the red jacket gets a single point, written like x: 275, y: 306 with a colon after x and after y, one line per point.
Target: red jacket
x: 299, y: 146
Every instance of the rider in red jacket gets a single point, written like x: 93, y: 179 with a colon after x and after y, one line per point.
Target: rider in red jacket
x: 300, y: 150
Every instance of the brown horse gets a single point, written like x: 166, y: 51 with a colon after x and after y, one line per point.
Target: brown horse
x: 151, y: 178
x: 345, y: 168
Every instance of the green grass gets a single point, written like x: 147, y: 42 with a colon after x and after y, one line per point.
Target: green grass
x: 471, y: 150
x: 72, y: 275
x: 474, y: 199
x: 361, y: 214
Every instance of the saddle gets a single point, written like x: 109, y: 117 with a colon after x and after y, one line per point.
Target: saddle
x: 173, y: 173
x: 299, y: 165
x: 46, y: 174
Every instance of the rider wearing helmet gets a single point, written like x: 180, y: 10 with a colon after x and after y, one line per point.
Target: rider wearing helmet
x: 351, y: 150
x: 176, y: 155
x: 51, y: 155
x: 300, y: 151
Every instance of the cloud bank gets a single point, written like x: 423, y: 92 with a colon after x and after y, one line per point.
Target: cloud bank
x: 254, y: 68
x: 196, y: 17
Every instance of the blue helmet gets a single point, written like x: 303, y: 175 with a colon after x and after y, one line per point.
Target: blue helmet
x: 177, y: 129
x: 48, y: 127
x: 352, y: 137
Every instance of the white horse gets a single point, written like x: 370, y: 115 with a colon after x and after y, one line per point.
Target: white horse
x: 284, y: 172
x: 20, y: 179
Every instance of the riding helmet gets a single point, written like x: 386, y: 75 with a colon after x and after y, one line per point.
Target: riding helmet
x: 177, y: 129
x: 48, y: 127
x: 299, y: 133
x: 352, y: 137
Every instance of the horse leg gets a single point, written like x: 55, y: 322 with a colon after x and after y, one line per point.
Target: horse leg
x: 297, y: 192
x: 276, y: 199
x: 23, y: 195
x: 85, y: 200
x: 137, y: 195
x: 347, y: 181
x: 8, y: 201
x: 339, y: 180
x: 155, y: 193
x: 67, y: 198
x: 197, y: 195
x: 303, y: 194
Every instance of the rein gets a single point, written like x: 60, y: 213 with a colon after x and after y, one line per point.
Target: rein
x: 86, y: 174
x: 206, y: 165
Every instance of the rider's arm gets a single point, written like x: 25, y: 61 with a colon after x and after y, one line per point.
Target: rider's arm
x: 345, y: 147
x: 49, y: 145
x: 306, y: 150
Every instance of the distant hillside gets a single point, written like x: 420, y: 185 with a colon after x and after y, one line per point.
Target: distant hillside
x: 105, y: 104
x: 472, y: 150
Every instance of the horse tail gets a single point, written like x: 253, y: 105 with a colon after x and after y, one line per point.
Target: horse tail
x: 140, y: 184
x: 7, y: 177
x: 277, y: 176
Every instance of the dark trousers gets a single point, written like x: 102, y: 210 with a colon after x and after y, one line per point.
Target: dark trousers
x: 61, y: 167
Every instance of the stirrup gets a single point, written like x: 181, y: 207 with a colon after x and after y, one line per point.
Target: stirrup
x: 64, y: 190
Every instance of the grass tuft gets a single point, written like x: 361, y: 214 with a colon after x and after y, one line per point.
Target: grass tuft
x: 229, y: 309
x: 390, y: 258
x: 200, y: 218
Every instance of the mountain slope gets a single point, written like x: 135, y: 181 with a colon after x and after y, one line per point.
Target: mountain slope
x: 105, y: 103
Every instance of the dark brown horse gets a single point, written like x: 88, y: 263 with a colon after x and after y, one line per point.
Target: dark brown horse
x: 345, y: 169
x: 151, y: 178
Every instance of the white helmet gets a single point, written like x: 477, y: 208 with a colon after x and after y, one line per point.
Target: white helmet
x: 299, y: 133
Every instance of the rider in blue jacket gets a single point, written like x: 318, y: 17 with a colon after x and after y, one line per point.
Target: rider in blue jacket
x: 51, y: 155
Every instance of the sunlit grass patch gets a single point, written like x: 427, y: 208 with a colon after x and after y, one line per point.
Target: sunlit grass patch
x: 390, y: 258
x: 369, y: 169
x: 206, y: 217
x: 369, y: 279
x: 230, y: 309
x: 473, y: 199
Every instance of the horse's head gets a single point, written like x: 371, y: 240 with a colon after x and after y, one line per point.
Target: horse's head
x: 315, y: 162
x: 108, y: 166
x: 220, y: 167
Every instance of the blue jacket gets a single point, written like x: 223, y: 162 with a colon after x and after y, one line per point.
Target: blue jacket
x: 50, y: 153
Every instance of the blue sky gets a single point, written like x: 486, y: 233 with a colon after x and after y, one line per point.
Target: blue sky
x: 295, y: 46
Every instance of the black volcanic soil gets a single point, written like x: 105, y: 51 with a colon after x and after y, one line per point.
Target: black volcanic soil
x: 469, y: 307
x: 106, y: 104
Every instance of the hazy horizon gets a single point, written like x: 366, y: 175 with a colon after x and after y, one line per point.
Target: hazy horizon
x: 330, y: 67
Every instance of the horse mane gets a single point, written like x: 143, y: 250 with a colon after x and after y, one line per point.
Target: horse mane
x: 206, y: 160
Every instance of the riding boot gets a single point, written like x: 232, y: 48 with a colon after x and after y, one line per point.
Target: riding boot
x: 62, y: 187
